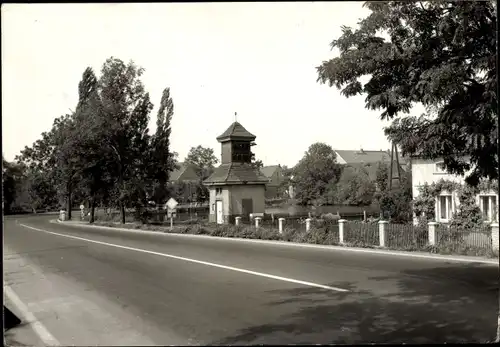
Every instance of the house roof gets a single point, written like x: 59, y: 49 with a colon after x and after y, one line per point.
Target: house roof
x: 236, y: 131
x: 185, y: 171
x: 236, y: 173
x: 268, y: 171
x: 363, y: 156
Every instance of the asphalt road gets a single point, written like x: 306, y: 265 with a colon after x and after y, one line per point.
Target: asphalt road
x: 115, y: 287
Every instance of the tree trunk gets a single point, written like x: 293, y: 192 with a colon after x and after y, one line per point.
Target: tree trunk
x: 68, y: 202
x: 122, y: 211
x: 92, y: 210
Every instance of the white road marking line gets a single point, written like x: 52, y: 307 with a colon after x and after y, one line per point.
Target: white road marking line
x: 279, y: 278
x: 38, y: 327
x: 380, y: 252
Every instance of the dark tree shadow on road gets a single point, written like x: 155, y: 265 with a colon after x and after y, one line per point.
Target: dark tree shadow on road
x: 448, y: 304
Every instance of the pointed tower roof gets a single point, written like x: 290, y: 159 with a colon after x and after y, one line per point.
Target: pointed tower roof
x: 236, y: 131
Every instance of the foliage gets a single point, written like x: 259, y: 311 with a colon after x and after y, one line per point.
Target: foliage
x: 162, y: 160
x: 286, y: 182
x: 382, y: 176
x: 203, y: 159
x: 486, y: 186
x: 102, y: 153
x: 12, y: 176
x: 469, y: 215
x: 315, y: 173
x: 256, y: 163
x: 125, y: 109
x: 441, y: 54
x: 424, y: 203
x: 395, y: 204
x: 354, y: 187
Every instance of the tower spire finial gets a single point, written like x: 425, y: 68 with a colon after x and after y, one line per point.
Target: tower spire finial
x: 236, y: 116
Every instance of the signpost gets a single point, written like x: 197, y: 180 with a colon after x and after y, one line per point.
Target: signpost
x: 171, y: 212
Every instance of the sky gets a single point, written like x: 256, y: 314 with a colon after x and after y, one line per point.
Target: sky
x: 256, y: 59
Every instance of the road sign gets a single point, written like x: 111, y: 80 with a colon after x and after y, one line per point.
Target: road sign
x: 171, y: 204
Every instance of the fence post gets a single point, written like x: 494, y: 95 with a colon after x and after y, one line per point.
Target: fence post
x: 237, y: 220
x: 432, y: 233
x: 308, y: 224
x: 494, y: 236
x: 280, y: 224
x: 382, y: 232
x: 257, y: 222
x: 341, y: 230
x: 364, y: 215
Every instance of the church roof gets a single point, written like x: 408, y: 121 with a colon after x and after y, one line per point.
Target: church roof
x: 236, y: 131
x: 236, y: 173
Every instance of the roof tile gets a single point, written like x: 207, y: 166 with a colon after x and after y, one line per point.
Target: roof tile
x: 236, y: 173
x: 236, y: 130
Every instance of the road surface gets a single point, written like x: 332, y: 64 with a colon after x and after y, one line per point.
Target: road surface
x: 108, y: 287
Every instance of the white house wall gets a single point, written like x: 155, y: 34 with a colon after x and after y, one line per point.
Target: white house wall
x: 424, y: 171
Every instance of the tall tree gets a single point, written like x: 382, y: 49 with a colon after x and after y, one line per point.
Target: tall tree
x: 314, y: 173
x: 162, y: 158
x: 53, y: 157
x: 125, y: 107
x: 441, y: 54
x: 93, y: 156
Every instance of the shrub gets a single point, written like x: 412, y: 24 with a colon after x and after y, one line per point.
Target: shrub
x: 288, y: 234
x: 332, y: 237
x: 300, y: 236
x: 266, y: 234
x: 316, y: 236
x: 248, y: 232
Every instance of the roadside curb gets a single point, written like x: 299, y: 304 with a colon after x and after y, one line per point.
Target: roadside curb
x: 463, y: 259
x: 27, y: 317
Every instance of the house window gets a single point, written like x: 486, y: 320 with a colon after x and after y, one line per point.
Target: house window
x: 488, y: 206
x: 445, y: 207
x: 218, y: 191
x: 440, y: 167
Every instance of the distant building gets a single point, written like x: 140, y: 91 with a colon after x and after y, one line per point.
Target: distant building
x: 275, y: 175
x: 184, y: 180
x: 184, y: 173
x: 370, y: 159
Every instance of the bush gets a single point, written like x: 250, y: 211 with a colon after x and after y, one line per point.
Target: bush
x: 316, y: 236
x: 266, y: 234
x: 288, y: 234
